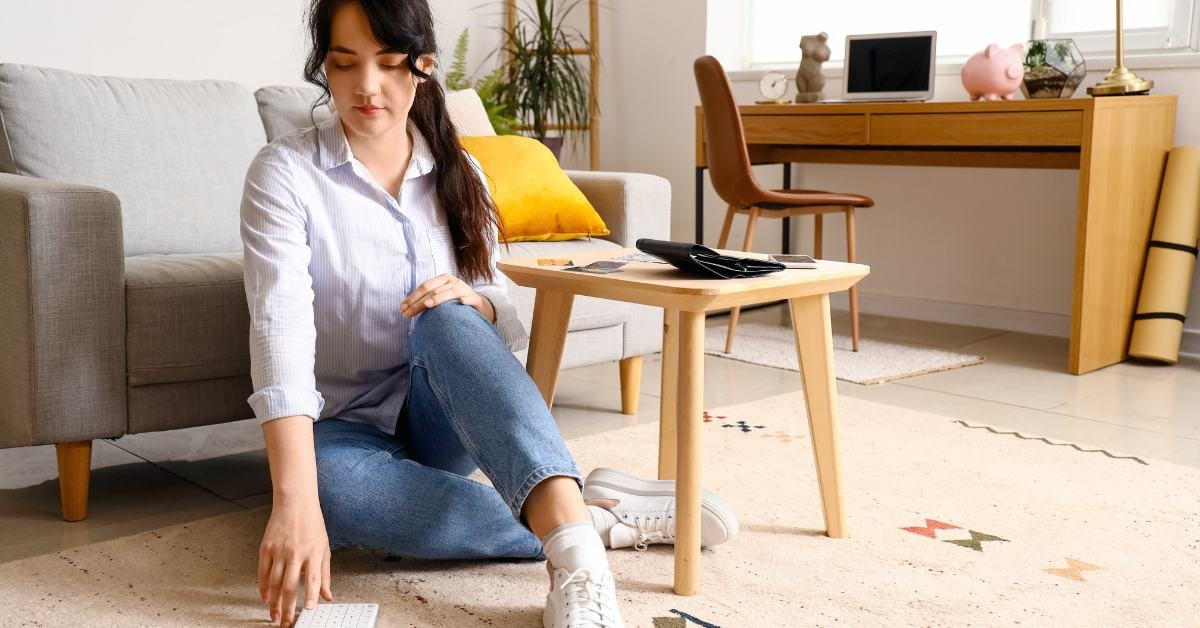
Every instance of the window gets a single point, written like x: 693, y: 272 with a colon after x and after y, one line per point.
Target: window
x: 760, y: 34
x: 1149, y: 25
x: 963, y: 28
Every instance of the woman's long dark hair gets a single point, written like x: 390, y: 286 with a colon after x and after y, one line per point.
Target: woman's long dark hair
x: 407, y: 26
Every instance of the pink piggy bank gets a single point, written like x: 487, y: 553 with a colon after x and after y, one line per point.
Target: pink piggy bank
x: 994, y: 73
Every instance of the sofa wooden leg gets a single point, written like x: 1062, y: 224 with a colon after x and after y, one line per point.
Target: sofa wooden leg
x: 631, y: 383
x: 74, y: 472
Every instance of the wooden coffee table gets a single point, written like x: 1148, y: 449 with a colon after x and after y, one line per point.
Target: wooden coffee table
x: 685, y: 299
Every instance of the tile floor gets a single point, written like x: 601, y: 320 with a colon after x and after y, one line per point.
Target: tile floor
x: 147, y: 481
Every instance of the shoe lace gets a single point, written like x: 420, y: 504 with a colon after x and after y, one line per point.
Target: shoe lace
x: 660, y: 527
x: 588, y: 597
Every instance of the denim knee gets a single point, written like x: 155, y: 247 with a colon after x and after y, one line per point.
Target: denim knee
x: 445, y: 324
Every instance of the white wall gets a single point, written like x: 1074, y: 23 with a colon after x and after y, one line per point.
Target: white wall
x: 992, y: 247
x: 260, y: 42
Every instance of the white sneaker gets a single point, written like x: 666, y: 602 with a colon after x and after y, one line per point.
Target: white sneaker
x: 582, y: 599
x: 645, y: 510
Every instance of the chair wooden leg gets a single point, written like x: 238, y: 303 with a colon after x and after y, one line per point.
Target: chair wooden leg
x: 851, y: 256
x: 74, y: 473
x: 734, y: 312
x: 817, y: 226
x: 725, y: 227
x: 631, y: 383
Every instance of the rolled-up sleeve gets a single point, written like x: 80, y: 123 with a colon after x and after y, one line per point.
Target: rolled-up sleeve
x: 512, y: 332
x: 279, y: 292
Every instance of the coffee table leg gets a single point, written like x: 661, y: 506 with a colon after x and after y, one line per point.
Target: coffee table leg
x: 814, y: 348
x: 666, y: 413
x: 551, y: 314
x: 690, y: 403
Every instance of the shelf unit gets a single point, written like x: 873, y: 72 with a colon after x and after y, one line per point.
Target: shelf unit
x: 593, y: 126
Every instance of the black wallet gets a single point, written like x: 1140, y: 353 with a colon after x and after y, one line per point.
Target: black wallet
x: 701, y: 260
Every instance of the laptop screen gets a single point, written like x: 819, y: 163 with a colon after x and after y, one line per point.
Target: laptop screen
x: 888, y: 64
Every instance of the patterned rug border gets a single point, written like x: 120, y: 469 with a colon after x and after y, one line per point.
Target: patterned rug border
x: 1046, y: 440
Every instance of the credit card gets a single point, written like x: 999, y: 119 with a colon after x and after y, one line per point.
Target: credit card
x: 594, y: 271
x: 605, y: 264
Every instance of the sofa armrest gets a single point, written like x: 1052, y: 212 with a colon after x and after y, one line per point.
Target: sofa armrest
x: 633, y: 205
x: 62, y: 317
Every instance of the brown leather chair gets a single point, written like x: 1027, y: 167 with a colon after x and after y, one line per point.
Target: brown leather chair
x: 729, y: 168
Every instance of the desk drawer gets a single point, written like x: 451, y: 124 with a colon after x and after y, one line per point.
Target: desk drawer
x: 1016, y: 128
x: 836, y: 130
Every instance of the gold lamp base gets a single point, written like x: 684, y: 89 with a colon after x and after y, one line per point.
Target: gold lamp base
x: 1121, y: 81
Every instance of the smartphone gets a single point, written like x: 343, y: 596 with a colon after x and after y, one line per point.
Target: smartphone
x: 794, y: 261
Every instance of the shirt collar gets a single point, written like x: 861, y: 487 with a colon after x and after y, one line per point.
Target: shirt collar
x: 334, y: 148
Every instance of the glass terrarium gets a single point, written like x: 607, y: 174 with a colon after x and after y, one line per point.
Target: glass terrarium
x: 1054, y: 68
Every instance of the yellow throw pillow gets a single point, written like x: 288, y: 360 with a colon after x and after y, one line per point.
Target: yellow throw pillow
x: 536, y: 200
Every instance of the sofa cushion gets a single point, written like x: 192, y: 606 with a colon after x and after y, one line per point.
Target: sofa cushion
x: 186, y: 318
x: 285, y: 108
x: 535, y: 198
x: 586, y: 312
x: 174, y: 152
x: 468, y: 113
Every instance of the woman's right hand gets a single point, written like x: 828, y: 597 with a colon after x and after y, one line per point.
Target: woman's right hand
x: 295, y: 543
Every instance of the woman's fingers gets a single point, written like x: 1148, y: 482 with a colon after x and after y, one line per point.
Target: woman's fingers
x: 264, y: 574
x: 326, y: 591
x: 275, y: 583
x: 440, y: 295
x: 291, y: 579
x: 430, y: 294
x: 313, y: 576
x: 418, y: 295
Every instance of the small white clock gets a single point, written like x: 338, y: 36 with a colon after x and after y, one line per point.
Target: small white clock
x: 773, y: 85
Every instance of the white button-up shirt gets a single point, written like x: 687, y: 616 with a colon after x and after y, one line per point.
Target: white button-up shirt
x: 329, y: 255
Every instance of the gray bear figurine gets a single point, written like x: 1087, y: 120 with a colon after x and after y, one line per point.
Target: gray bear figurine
x: 809, y: 80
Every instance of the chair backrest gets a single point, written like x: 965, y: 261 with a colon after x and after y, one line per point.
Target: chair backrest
x: 725, y: 140
x: 174, y: 152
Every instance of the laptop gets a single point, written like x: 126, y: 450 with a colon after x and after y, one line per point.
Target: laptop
x: 890, y: 67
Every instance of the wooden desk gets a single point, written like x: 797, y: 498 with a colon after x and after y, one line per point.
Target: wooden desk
x: 1118, y: 144
x: 684, y: 300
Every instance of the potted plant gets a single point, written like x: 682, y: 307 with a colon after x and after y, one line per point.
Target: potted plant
x: 456, y: 79
x: 544, y: 88
x: 1054, y: 68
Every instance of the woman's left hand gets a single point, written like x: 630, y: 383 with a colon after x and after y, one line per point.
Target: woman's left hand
x: 441, y: 289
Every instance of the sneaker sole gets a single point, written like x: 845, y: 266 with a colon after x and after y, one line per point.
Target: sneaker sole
x: 616, y: 480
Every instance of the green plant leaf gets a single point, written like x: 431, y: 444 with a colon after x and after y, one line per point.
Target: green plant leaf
x: 456, y: 77
x: 540, y: 86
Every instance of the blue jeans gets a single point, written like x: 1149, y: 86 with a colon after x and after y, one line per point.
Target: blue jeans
x: 470, y: 405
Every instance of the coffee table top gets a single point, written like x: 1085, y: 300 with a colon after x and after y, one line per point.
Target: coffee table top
x: 664, y: 285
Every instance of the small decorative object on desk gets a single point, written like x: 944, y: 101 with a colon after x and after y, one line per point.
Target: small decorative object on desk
x: 1054, y: 68
x: 1120, y: 81
x: 772, y: 85
x: 810, y: 82
x: 993, y: 73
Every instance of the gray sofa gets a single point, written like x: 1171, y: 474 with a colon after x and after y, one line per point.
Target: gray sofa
x: 122, y: 308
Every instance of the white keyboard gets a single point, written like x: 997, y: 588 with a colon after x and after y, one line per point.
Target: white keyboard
x: 339, y: 616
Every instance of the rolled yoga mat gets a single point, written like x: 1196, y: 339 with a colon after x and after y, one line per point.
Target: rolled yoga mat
x: 1170, y: 262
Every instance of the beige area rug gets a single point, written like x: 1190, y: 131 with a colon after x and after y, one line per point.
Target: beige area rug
x: 951, y: 524
x: 875, y: 361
